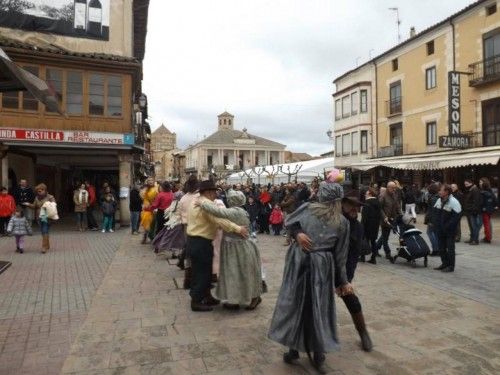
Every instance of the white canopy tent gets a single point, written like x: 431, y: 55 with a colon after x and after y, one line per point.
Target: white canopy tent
x: 308, y: 170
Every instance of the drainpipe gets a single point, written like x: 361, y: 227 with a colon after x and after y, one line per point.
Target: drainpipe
x: 453, y: 41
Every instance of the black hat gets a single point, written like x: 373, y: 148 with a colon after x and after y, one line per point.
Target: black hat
x: 353, y: 198
x: 207, y: 185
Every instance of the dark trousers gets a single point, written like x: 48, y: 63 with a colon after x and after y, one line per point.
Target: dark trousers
x: 91, y: 222
x: 201, y: 252
x: 264, y: 223
x: 373, y: 245
x: 384, y: 240
x: 475, y: 222
x: 277, y: 229
x: 4, y: 221
x: 160, y: 220
x: 447, y: 249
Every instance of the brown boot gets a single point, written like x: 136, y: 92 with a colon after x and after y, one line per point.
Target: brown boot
x: 45, y: 243
x: 359, y: 323
x: 187, y: 278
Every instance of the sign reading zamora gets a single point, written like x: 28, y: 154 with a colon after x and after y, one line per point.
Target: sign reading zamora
x: 454, y: 139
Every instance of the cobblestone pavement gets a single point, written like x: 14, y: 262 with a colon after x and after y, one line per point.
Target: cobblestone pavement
x: 45, y: 298
x: 420, y: 321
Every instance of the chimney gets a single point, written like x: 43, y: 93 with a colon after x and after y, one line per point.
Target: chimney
x: 413, y: 32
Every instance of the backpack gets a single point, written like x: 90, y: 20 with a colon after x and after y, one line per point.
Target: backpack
x: 51, y: 209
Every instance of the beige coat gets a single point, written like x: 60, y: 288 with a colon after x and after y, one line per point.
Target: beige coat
x: 80, y: 204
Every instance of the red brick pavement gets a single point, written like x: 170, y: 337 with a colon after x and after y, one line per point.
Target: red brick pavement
x: 45, y: 298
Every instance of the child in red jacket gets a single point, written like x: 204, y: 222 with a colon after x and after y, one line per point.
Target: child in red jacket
x: 276, y: 219
x: 7, y: 209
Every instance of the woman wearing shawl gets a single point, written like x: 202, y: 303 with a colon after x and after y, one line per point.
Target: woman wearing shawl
x: 240, y: 277
x: 172, y: 236
x: 304, y: 318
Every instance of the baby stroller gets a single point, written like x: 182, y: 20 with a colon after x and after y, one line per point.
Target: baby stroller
x: 411, y: 244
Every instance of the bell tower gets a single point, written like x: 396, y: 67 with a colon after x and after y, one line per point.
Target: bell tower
x: 226, y: 121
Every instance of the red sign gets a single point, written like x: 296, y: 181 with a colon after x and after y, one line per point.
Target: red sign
x: 32, y: 135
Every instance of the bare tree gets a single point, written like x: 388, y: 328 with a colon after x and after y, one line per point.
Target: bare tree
x: 64, y: 13
x: 275, y: 170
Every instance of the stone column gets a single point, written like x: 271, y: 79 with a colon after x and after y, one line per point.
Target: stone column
x: 125, y: 181
x: 5, y: 170
x: 267, y: 158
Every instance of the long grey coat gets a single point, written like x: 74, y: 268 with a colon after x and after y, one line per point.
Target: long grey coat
x: 304, y: 318
x: 240, y: 274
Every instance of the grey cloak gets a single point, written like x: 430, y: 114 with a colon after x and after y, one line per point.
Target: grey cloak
x: 240, y: 274
x: 304, y: 318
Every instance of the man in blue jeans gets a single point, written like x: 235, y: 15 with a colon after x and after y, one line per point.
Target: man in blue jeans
x: 472, y: 209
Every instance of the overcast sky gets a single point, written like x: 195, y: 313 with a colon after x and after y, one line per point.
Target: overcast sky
x: 270, y: 63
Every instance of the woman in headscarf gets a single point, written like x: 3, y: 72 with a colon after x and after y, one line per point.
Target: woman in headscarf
x: 304, y: 318
x: 240, y: 277
x: 148, y: 195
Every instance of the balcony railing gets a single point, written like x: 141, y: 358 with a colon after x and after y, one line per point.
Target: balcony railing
x: 394, y: 106
x: 394, y: 150
x: 486, y: 71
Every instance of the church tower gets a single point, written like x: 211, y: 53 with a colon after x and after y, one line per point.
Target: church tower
x: 226, y: 121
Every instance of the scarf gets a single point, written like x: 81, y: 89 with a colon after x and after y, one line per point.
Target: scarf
x: 329, y: 212
x: 81, y: 194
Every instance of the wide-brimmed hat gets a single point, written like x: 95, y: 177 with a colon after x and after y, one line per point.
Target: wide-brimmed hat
x: 353, y: 198
x: 207, y: 185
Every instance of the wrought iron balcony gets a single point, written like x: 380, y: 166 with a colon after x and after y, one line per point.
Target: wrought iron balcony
x: 486, y: 71
x: 394, y: 106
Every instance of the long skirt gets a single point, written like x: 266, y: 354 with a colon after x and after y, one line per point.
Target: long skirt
x: 304, y: 318
x: 170, y: 238
x: 217, y: 244
x: 240, y: 277
x: 146, y: 219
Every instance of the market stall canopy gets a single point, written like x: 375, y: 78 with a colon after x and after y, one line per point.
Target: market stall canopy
x: 15, y: 78
x: 437, y: 160
x: 308, y: 170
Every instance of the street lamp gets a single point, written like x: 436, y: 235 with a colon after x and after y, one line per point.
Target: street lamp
x: 329, y: 133
x: 143, y: 101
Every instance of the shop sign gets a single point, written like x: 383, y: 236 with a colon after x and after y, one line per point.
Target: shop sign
x: 59, y: 136
x: 454, y: 102
x: 455, y: 141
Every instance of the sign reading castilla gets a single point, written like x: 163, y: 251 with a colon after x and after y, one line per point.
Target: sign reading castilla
x: 454, y: 139
x: 61, y: 136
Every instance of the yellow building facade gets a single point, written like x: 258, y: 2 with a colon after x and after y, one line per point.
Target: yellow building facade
x: 412, y: 92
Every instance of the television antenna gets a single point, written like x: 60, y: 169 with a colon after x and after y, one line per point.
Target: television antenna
x: 398, y: 22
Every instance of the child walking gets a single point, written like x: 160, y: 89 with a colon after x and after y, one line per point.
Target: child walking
x: 276, y: 219
x: 19, y: 227
x: 108, y: 207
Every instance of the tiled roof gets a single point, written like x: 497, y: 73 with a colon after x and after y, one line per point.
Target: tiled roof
x: 162, y: 130
x: 6, y: 42
x: 228, y: 137
x: 224, y: 114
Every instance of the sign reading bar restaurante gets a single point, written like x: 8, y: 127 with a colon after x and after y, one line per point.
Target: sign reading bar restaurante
x: 60, y: 136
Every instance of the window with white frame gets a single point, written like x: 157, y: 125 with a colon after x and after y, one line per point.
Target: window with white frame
x: 338, y: 109
x: 346, y: 106
x: 346, y: 144
x: 364, y: 101
x: 364, y: 141
x: 431, y: 133
x: 354, y: 143
x: 338, y: 145
x: 430, y: 78
x: 354, y: 103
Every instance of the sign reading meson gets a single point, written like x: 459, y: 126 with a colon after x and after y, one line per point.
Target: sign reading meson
x: 78, y: 18
x: 454, y: 102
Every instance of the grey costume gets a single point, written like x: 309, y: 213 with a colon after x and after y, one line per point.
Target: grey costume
x: 304, y: 318
x: 240, y: 275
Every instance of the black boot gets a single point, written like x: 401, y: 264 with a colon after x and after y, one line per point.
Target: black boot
x: 362, y: 259
x: 441, y: 267
x: 187, y: 278
x: 373, y: 260
x: 319, y: 362
x: 291, y: 356
x: 359, y: 323
x: 144, y: 238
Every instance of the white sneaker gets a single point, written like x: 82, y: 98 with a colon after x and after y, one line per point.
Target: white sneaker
x: 111, y: 231
x: 103, y: 231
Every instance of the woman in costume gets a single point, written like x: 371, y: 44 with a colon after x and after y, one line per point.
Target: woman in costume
x: 304, y: 318
x: 240, y: 277
x: 148, y: 195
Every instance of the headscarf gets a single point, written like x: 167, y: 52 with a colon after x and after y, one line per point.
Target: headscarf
x: 235, y: 198
x: 329, y: 207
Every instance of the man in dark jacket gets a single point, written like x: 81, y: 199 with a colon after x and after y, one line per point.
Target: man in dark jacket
x: 24, y: 195
x: 135, y: 207
x: 391, y: 209
x: 459, y: 196
x: 472, y: 209
x: 253, y: 210
x: 447, y: 215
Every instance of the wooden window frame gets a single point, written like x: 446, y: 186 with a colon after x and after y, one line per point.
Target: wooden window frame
x: 428, y: 74
x: 361, y: 109
x: 361, y: 133
x: 427, y: 126
x: 430, y: 48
